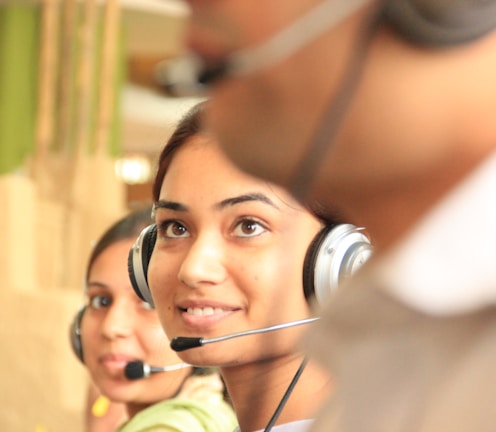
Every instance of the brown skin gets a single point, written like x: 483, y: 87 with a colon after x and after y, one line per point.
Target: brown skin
x: 242, y: 260
x: 419, y: 121
x: 118, y: 327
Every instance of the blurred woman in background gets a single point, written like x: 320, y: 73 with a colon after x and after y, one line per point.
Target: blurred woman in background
x: 116, y: 330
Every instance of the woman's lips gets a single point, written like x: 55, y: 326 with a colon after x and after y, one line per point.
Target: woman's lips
x: 115, y: 362
x: 205, y: 311
x: 202, y: 316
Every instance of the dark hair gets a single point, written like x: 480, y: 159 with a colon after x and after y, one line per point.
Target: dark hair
x: 191, y: 125
x: 128, y: 227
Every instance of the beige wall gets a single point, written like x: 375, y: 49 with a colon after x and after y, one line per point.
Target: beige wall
x: 42, y: 383
x: 42, y: 260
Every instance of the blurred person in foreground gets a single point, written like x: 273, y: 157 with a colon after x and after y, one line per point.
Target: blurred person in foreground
x: 386, y: 111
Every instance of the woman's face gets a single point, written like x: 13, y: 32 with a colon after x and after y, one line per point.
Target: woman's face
x: 118, y: 327
x: 229, y: 257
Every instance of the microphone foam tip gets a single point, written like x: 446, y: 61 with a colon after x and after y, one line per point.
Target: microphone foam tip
x: 134, y: 370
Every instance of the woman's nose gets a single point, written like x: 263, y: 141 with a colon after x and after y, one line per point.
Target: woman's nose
x: 203, y: 263
x: 118, y: 321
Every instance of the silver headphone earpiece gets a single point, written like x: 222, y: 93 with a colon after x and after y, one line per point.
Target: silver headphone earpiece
x: 138, y: 260
x: 336, y: 253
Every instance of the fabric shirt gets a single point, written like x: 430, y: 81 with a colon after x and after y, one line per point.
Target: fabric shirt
x: 447, y: 263
x: 297, y: 426
x: 411, y: 338
x: 199, y: 407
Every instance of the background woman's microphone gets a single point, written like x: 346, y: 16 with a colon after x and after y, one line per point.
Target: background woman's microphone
x: 185, y: 343
x: 137, y: 369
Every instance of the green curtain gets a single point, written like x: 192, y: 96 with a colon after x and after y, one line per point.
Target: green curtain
x: 19, y: 65
x: 114, y: 146
x: 19, y: 39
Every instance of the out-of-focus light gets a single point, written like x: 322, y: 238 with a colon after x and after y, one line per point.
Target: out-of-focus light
x: 133, y: 169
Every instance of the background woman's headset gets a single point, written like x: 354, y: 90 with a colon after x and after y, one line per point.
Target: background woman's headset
x: 335, y: 253
x: 75, y: 334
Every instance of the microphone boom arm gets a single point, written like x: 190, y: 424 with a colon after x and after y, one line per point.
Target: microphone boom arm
x: 185, y: 343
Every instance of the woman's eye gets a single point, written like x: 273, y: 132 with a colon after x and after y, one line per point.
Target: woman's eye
x: 248, y: 228
x: 98, y: 302
x: 174, y: 229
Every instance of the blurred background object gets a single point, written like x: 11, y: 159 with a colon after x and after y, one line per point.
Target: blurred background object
x: 81, y: 121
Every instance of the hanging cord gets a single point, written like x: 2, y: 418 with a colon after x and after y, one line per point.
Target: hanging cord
x: 334, y: 113
x: 286, y: 395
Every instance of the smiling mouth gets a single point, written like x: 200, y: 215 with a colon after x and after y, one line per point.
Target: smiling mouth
x: 115, y: 363
x: 205, y: 311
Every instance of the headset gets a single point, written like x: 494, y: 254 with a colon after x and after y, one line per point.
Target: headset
x: 75, y: 334
x: 430, y: 23
x: 334, y: 254
x: 441, y: 22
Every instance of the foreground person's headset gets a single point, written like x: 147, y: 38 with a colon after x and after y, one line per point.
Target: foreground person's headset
x: 432, y: 23
x: 441, y: 22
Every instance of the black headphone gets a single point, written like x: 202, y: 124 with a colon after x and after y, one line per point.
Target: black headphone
x: 75, y: 334
x: 335, y: 253
x: 441, y: 22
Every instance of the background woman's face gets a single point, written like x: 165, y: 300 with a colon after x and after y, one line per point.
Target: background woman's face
x: 229, y: 256
x: 118, y: 327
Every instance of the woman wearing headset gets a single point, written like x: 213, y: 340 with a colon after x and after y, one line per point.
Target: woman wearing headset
x: 115, y: 328
x: 228, y: 258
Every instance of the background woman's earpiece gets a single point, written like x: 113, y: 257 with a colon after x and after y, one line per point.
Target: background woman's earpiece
x: 75, y: 334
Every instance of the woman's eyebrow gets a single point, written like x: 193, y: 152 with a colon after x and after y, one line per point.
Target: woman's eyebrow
x: 247, y: 198
x: 95, y: 285
x: 256, y: 196
x: 170, y: 205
